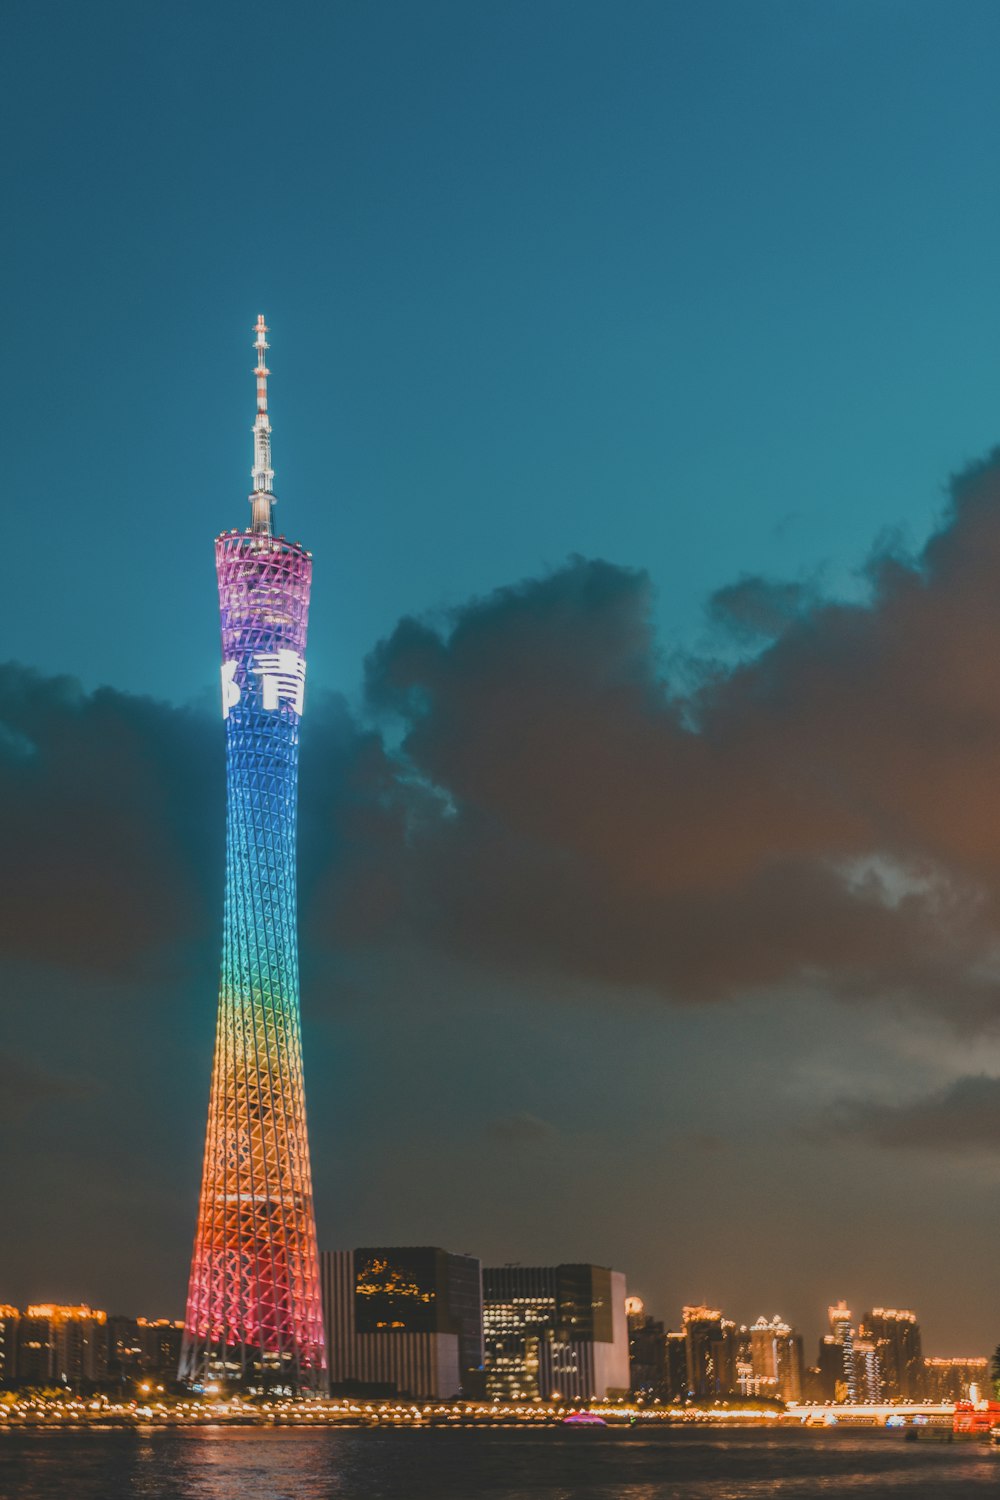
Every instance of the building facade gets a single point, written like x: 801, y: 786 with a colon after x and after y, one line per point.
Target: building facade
x: 675, y: 1376
x: 10, y: 1321
x: 895, y: 1334
x: 253, y: 1309
x: 646, y: 1350
x: 555, y: 1331
x: 848, y: 1380
x: 403, y: 1320
x: 952, y: 1379
x: 776, y: 1360
x: 61, y: 1345
x: 711, y: 1346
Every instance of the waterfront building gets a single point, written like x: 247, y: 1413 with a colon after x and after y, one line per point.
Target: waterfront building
x: 827, y: 1382
x: 160, y: 1341
x: 675, y: 1378
x: 951, y: 1379
x: 776, y: 1360
x: 124, y: 1348
x: 555, y: 1331
x: 747, y: 1383
x: 867, y: 1372
x: 646, y: 1349
x: 253, y: 1308
x: 59, y: 1345
x: 403, y: 1320
x: 895, y: 1334
x: 10, y: 1320
x: 842, y: 1333
x: 712, y: 1350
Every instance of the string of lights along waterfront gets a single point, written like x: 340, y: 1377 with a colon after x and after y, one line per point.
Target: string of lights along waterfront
x: 253, y: 1308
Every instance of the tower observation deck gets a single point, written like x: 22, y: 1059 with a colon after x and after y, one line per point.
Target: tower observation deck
x: 253, y: 1310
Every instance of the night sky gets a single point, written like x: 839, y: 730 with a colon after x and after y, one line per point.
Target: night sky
x: 636, y: 385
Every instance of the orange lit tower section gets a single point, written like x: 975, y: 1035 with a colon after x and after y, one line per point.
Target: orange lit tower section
x: 253, y: 1311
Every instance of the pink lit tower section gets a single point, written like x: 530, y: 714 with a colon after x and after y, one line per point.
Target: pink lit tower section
x: 253, y: 1311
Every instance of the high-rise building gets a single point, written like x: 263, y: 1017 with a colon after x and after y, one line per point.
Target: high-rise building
x: 403, y: 1320
x: 10, y: 1320
x: 711, y: 1353
x: 895, y: 1334
x: 950, y: 1379
x: 160, y: 1340
x: 253, y: 1310
x: 675, y: 1367
x: 867, y: 1374
x: 61, y: 1345
x: 776, y: 1359
x: 842, y: 1332
x: 124, y: 1348
x: 646, y: 1349
x: 828, y: 1382
x: 555, y: 1331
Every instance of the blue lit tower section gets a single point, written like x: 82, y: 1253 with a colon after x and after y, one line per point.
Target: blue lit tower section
x: 253, y: 1311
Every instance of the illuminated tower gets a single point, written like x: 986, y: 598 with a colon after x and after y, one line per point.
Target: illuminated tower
x: 253, y: 1310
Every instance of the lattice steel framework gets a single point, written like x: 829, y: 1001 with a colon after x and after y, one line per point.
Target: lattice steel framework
x: 253, y: 1311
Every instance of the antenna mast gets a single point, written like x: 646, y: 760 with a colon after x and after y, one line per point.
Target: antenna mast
x: 263, y: 475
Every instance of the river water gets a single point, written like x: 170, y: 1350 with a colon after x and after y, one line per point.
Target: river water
x: 500, y: 1464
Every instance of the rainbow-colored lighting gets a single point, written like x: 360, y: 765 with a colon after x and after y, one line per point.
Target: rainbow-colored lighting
x: 253, y: 1310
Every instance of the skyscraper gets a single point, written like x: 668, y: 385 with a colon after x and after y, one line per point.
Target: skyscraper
x: 62, y: 1345
x: 711, y: 1352
x: 842, y: 1332
x: 253, y: 1310
x: 895, y: 1333
x: 776, y: 1355
x: 554, y: 1330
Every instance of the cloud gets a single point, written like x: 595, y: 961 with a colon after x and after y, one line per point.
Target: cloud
x: 530, y: 793
x: 825, y: 814
x: 965, y: 1116
x: 756, y: 607
x: 104, y: 826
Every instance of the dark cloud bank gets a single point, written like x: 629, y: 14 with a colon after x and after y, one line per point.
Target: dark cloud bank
x: 535, y: 797
x: 958, y: 1119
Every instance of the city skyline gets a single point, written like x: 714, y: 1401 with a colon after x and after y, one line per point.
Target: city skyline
x: 649, y: 888
x: 422, y: 1322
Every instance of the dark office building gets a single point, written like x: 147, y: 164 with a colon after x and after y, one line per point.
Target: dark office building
x: 10, y: 1320
x: 646, y: 1350
x: 675, y: 1369
x: 403, y: 1320
x: 895, y: 1334
x: 554, y: 1331
x: 829, y: 1378
x: 160, y: 1341
x: 124, y: 1348
x: 712, y: 1347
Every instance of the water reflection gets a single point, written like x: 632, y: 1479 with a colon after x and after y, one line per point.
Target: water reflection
x: 509, y: 1464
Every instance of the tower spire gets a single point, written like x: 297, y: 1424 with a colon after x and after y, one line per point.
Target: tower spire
x: 263, y: 475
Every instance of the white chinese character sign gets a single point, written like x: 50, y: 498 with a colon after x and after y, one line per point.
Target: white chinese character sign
x: 282, y: 676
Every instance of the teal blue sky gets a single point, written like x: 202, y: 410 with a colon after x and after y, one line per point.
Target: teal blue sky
x: 580, y: 313
x: 702, y: 288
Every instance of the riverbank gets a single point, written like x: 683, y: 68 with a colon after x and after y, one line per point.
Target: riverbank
x: 70, y: 1412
